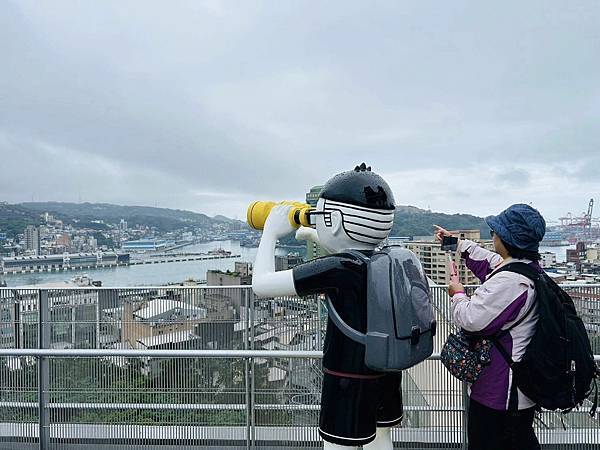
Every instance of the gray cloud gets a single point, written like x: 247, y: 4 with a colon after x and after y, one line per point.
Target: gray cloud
x: 208, y: 105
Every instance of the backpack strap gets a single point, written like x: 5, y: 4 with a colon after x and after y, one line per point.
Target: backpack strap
x: 346, y: 329
x: 521, y: 268
x: 529, y: 272
x: 335, y: 317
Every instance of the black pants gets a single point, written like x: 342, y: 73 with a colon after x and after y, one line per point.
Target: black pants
x: 490, y: 429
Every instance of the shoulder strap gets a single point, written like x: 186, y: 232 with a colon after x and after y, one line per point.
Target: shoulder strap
x: 360, y: 255
x: 529, y: 272
x: 521, y: 268
x: 346, y: 329
x: 335, y: 317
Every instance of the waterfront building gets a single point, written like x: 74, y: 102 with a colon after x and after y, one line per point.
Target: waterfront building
x: 144, y: 245
x: 32, y: 239
x: 49, y: 263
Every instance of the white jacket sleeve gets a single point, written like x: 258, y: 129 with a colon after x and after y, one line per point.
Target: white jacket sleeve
x: 478, y: 259
x: 497, y: 302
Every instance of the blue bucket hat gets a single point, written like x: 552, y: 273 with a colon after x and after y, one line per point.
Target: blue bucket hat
x: 519, y: 225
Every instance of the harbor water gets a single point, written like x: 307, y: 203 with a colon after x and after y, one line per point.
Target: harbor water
x: 151, y: 274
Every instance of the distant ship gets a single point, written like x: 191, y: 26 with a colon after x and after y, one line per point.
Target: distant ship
x: 219, y: 252
x: 554, y: 239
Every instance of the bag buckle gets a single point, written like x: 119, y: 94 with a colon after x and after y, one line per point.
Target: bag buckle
x: 415, y: 335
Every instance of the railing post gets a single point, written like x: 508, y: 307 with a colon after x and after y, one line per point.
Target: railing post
x: 319, y: 324
x: 252, y: 372
x: 248, y: 382
x: 43, y: 370
x: 465, y: 416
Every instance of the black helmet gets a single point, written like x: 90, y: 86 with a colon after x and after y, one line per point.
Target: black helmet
x: 359, y: 187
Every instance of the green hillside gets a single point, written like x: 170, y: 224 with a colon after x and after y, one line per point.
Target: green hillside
x: 411, y: 221
x: 164, y: 219
x: 14, y: 219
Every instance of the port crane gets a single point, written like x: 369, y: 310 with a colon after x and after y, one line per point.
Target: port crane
x: 580, y: 227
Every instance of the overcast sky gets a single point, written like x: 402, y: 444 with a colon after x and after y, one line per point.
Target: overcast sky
x: 208, y: 105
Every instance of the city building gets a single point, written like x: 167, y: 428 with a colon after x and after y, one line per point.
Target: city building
x: 144, y: 245
x: 243, y: 268
x: 49, y: 263
x: 221, y: 278
x: 64, y: 241
x: 593, y: 255
x: 237, y: 298
x: 73, y: 313
x: 142, y: 320
x: 577, y: 255
x: 287, y: 262
x: 123, y: 225
x: 32, y: 239
x: 436, y: 262
x: 548, y: 259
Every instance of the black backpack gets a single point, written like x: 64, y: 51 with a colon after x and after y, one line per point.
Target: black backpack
x: 557, y: 371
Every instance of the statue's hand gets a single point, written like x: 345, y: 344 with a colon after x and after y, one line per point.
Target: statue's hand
x: 307, y: 234
x: 278, y: 223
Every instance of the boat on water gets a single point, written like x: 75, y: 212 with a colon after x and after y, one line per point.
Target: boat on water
x: 219, y: 252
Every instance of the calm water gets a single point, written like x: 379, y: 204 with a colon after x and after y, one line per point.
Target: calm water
x: 151, y: 274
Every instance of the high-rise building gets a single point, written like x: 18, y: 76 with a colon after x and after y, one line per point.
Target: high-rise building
x: 312, y: 196
x: 435, y: 261
x: 32, y: 239
x: 313, y: 250
x: 123, y: 225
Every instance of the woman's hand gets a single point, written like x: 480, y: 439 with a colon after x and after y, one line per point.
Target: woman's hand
x: 441, y: 232
x: 455, y: 288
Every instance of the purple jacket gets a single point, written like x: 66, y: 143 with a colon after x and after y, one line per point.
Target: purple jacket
x: 496, y: 305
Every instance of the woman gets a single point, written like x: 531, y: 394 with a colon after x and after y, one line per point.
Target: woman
x: 500, y: 415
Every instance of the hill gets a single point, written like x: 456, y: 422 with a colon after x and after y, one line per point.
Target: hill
x: 409, y: 220
x: 164, y: 219
x: 412, y: 221
x: 14, y: 219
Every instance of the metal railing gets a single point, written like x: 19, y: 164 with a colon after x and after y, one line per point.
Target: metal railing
x: 206, y: 367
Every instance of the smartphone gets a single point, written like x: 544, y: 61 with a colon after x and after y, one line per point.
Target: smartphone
x: 449, y: 243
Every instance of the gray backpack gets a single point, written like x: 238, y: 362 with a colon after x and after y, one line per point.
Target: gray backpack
x: 400, y: 320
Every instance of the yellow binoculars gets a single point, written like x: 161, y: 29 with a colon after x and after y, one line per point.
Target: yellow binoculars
x: 259, y: 211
